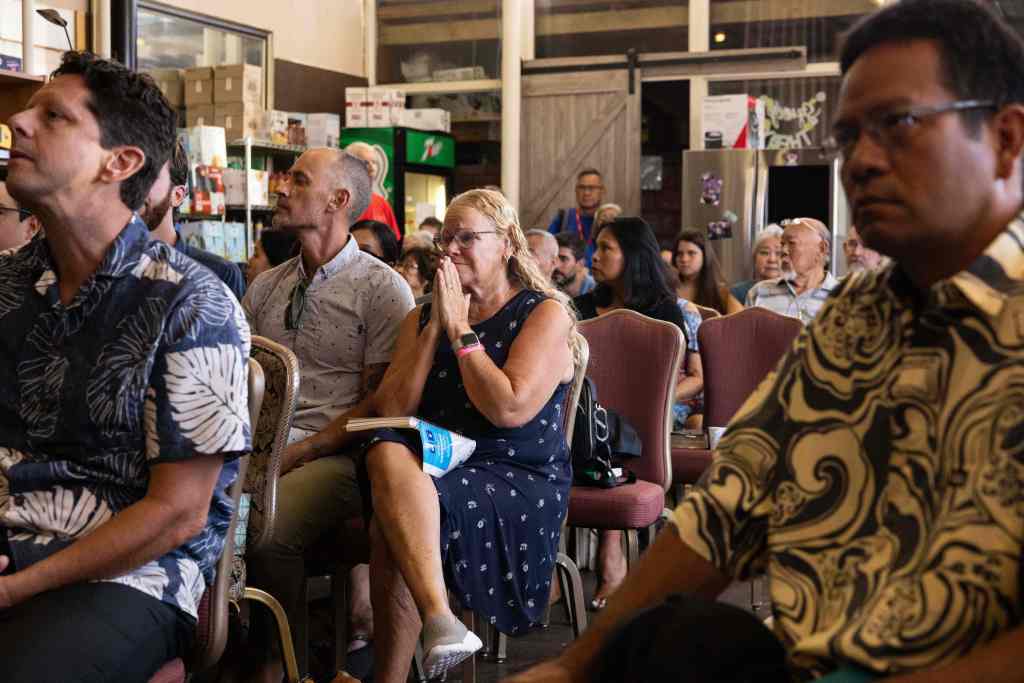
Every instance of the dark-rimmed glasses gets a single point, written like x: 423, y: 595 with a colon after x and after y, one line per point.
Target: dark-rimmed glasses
x: 463, y: 238
x: 23, y: 214
x: 891, y: 129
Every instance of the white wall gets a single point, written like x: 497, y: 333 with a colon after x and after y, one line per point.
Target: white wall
x: 323, y: 33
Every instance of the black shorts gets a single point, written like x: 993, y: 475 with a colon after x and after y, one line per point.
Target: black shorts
x: 91, y: 632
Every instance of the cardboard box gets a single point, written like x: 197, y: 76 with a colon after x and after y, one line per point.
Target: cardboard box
x: 234, y: 242
x: 207, y: 146
x: 238, y: 83
x: 384, y: 108
x: 357, y: 104
x: 206, y: 235
x: 198, y: 85
x: 466, y: 73
x: 427, y: 119
x: 172, y: 84
x: 296, y: 128
x: 234, y: 187
x: 238, y: 119
x: 274, y: 127
x: 201, y: 115
x: 323, y: 130
x: 732, y: 122
x: 207, y: 196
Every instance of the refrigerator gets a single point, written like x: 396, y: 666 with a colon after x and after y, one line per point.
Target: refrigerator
x: 731, y: 194
x: 416, y: 170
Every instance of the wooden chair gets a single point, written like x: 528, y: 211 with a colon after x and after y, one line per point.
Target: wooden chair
x: 212, y: 626
x: 634, y: 362
x: 270, y: 437
x: 707, y: 313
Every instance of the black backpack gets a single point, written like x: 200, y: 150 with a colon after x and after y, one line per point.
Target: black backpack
x: 600, y: 438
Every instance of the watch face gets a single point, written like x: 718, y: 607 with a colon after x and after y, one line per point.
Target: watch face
x: 468, y: 339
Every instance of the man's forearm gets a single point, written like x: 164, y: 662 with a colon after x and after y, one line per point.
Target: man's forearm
x: 668, y: 567
x: 995, y: 662
x: 331, y: 439
x: 138, y: 534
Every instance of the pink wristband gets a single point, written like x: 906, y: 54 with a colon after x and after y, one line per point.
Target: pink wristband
x: 466, y: 350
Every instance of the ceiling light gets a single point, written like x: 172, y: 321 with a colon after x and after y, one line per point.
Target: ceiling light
x: 719, y: 37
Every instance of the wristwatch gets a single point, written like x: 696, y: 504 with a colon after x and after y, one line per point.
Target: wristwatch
x: 465, y: 340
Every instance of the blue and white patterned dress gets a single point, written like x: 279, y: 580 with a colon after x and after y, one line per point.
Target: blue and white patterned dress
x: 501, y: 511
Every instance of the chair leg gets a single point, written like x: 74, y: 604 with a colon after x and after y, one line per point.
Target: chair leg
x: 291, y: 667
x: 632, y: 548
x: 339, y: 595
x: 572, y: 592
x: 469, y: 665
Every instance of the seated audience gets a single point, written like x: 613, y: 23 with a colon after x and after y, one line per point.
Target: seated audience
x: 689, y: 405
x: 339, y: 310
x: 17, y: 225
x: 605, y: 213
x: 431, y: 225
x: 767, y: 260
x: 801, y: 291
x: 494, y: 366
x: 667, y: 255
x: 570, y: 274
x: 418, y: 267
x: 544, y: 248
x: 114, y: 476
x: 700, y: 278
x: 421, y: 239
x: 630, y: 274
x: 859, y: 257
x: 875, y: 475
x: 273, y: 248
x: 376, y: 239
x: 160, y: 214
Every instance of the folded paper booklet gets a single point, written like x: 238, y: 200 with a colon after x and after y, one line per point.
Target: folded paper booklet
x: 443, y: 450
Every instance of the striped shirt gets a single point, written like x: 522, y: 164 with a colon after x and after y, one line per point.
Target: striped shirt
x: 780, y: 296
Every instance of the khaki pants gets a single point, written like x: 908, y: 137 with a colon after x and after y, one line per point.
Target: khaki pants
x: 312, y: 501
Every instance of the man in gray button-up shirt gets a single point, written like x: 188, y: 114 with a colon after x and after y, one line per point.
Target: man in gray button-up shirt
x: 339, y: 310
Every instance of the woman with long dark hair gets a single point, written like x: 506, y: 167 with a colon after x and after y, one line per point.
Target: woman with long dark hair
x: 630, y: 274
x: 700, y: 277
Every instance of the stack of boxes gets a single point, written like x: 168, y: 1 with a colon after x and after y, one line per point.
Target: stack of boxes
x: 238, y: 99
x: 385, y: 108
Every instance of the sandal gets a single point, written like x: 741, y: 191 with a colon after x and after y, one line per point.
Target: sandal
x: 359, y: 660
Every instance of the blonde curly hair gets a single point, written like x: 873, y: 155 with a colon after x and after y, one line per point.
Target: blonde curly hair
x: 522, y: 269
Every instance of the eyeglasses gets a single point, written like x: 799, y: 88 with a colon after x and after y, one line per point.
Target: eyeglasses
x: 892, y: 129
x: 296, y: 305
x: 589, y: 188
x: 463, y: 238
x: 23, y: 214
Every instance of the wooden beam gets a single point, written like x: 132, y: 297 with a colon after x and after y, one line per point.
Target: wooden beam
x: 438, y: 32
x: 442, y: 8
x: 780, y: 10
x: 671, y: 16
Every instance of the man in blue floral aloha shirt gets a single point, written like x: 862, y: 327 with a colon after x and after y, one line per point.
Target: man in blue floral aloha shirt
x: 123, y: 402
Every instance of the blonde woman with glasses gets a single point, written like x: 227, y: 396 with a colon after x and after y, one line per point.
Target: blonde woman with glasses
x: 491, y: 357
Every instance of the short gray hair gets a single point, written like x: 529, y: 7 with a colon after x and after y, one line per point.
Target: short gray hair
x: 353, y: 174
x: 770, y: 230
x: 548, y: 238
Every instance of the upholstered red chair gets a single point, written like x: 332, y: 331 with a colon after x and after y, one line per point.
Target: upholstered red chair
x: 737, y: 351
x: 212, y: 627
x: 707, y: 313
x: 634, y: 362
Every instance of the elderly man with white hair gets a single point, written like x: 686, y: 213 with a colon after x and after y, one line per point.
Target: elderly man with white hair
x: 800, y: 292
x: 379, y: 208
x: 767, y: 253
x: 544, y: 248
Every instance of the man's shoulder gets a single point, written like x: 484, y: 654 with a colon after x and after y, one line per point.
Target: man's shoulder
x: 227, y: 271
x: 375, y: 277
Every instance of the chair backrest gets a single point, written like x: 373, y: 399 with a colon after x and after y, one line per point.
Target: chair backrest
x: 634, y: 363
x: 707, y: 313
x: 572, y: 399
x: 270, y: 436
x: 212, y: 629
x: 737, y: 351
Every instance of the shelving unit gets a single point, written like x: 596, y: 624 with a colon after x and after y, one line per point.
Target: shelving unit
x: 15, y: 90
x: 271, y: 149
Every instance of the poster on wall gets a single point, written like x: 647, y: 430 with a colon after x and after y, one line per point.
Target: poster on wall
x: 382, y: 140
x: 788, y: 127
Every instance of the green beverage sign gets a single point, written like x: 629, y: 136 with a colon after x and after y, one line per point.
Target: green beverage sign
x: 383, y: 142
x: 429, y: 149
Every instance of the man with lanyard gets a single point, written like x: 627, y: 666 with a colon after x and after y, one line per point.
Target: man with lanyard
x: 580, y: 218
x: 159, y: 212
